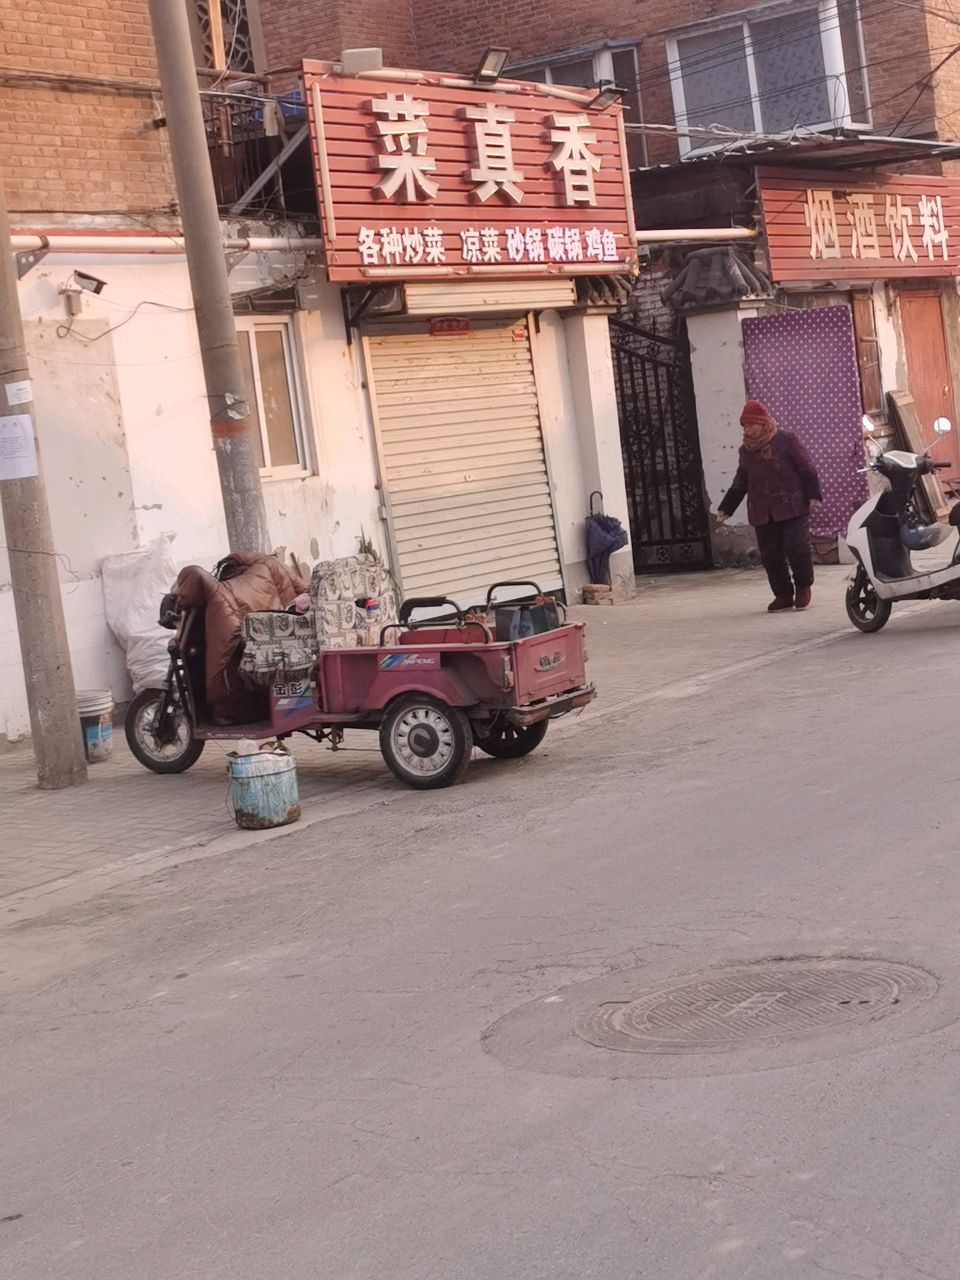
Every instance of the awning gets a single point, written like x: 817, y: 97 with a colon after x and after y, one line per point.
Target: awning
x: 840, y: 149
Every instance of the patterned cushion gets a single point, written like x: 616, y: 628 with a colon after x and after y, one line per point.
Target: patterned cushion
x: 278, y: 647
x: 336, y: 586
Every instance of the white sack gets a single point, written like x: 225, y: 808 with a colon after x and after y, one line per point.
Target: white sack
x: 134, y: 583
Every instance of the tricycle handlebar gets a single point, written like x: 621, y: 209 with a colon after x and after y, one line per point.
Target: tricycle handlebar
x: 497, y: 585
x: 428, y: 602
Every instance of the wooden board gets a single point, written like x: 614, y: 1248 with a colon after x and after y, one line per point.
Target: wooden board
x: 904, y: 414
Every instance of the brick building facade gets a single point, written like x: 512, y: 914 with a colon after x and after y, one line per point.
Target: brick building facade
x: 902, y: 45
x: 78, y: 77
x: 87, y: 144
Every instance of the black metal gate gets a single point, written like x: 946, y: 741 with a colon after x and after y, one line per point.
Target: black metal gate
x: 661, y: 449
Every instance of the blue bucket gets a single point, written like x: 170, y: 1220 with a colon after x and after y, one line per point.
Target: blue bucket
x: 96, y: 723
x: 263, y: 790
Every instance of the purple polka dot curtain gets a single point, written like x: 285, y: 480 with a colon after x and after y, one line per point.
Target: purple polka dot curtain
x: 803, y: 366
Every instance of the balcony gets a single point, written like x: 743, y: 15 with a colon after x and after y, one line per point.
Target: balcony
x: 259, y: 148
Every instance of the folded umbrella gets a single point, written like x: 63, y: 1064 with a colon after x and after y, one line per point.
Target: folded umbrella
x: 605, y: 534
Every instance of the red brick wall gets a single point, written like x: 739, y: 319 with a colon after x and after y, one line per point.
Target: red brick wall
x: 296, y: 29
x: 98, y: 152
x: 63, y: 150
x: 944, y: 36
x: 451, y: 34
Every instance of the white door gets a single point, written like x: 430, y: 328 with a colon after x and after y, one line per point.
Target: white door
x: 462, y: 461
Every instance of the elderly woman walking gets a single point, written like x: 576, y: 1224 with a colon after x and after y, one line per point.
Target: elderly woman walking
x: 777, y: 477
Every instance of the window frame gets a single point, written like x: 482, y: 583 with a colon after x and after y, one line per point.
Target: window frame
x: 286, y: 326
x: 831, y: 43
x: 602, y: 59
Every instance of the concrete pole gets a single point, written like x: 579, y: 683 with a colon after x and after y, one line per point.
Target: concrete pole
x: 230, y: 422
x: 57, y: 743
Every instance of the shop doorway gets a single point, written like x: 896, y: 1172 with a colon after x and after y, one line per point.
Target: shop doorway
x: 928, y: 373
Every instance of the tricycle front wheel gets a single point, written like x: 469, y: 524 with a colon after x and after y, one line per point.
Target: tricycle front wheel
x: 166, y: 747
x: 506, y: 741
x: 425, y: 743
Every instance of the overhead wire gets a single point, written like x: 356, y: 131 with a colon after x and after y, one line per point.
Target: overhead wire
x: 927, y: 82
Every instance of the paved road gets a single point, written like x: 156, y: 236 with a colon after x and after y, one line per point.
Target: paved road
x: 303, y: 1060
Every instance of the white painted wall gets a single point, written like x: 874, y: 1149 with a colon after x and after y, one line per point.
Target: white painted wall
x: 119, y: 387
x: 581, y: 433
x: 590, y: 360
x: 126, y: 448
x: 323, y: 515
x: 716, y: 357
x: 561, y: 445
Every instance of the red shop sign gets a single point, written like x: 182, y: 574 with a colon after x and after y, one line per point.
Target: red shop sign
x: 847, y: 226
x: 427, y: 176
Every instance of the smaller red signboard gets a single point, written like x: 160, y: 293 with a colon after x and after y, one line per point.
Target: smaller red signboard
x: 848, y: 226
x: 445, y: 326
x: 429, y: 176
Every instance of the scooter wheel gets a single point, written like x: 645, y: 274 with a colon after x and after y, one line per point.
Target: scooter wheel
x: 424, y: 742
x: 865, y: 609
x: 173, y: 755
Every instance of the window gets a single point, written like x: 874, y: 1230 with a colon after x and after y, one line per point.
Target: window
x: 268, y: 356
x: 779, y: 69
x: 586, y: 69
x: 236, y: 33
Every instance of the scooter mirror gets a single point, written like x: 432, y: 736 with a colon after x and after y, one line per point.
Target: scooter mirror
x: 867, y: 423
x: 943, y: 426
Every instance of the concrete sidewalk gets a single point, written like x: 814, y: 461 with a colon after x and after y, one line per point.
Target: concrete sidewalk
x: 680, y: 629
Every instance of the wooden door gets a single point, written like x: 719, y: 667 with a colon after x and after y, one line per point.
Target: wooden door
x: 928, y: 373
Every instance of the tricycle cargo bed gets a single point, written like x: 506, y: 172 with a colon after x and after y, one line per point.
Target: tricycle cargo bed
x: 460, y: 666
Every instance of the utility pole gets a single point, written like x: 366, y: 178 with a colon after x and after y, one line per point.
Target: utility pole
x: 52, y: 699
x: 230, y: 425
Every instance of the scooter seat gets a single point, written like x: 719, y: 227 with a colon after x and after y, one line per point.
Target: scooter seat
x: 954, y: 516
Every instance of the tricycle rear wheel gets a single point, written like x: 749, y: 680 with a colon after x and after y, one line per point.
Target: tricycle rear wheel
x: 177, y: 751
x: 425, y: 743
x: 505, y: 741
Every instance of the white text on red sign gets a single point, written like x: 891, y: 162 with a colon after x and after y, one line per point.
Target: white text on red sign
x: 869, y: 223
x: 485, y: 246
x: 407, y: 167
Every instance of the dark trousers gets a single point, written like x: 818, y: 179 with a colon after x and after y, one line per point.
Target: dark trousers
x: 785, y: 547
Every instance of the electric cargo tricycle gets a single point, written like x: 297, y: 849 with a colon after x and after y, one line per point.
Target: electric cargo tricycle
x: 432, y: 689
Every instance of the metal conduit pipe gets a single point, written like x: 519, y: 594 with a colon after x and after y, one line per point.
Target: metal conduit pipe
x: 119, y: 242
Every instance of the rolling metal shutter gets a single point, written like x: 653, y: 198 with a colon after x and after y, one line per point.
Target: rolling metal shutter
x: 462, y: 461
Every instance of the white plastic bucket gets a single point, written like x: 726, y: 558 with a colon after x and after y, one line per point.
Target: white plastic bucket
x: 95, y: 707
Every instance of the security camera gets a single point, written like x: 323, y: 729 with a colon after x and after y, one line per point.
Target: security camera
x: 90, y: 283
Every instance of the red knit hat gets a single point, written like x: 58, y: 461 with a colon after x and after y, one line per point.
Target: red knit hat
x: 755, y: 411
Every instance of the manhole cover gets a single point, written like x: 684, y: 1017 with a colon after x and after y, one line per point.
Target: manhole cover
x: 752, y: 1013
x: 771, y: 1002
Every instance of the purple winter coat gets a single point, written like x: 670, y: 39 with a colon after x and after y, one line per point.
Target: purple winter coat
x: 780, y: 487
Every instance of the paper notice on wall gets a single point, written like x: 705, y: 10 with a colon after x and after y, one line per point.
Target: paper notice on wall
x: 19, y: 392
x: 18, y: 448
